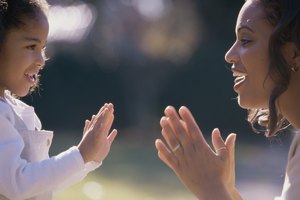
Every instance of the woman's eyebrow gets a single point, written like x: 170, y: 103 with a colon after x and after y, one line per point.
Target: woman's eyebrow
x: 240, y: 28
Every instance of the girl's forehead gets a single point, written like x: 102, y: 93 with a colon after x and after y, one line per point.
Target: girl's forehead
x: 38, y: 21
x: 35, y: 28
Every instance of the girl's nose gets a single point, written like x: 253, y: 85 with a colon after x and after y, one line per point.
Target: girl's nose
x: 40, y: 59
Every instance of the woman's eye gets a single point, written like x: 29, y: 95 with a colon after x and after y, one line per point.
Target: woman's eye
x: 245, y: 41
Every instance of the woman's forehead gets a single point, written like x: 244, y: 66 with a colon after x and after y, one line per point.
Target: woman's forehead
x: 251, y: 13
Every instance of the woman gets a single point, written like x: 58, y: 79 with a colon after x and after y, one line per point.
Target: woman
x: 265, y: 62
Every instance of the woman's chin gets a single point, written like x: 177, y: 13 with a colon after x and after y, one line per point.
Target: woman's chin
x: 250, y: 104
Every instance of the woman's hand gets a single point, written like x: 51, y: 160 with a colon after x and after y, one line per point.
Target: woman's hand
x: 96, y: 140
x: 208, y: 173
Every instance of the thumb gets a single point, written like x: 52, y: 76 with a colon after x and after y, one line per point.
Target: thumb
x: 218, y: 143
x: 230, y: 143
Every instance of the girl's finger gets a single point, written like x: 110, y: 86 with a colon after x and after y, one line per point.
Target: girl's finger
x: 108, y: 124
x: 86, y: 126
x: 101, y: 120
x: 102, y: 108
x: 111, y: 137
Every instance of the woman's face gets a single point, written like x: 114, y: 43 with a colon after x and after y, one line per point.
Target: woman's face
x: 250, y: 58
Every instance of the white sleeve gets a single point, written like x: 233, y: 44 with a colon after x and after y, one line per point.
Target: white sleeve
x: 21, y: 179
x: 79, y: 176
x: 291, y: 185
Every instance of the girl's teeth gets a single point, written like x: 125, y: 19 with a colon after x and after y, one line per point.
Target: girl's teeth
x: 31, y: 77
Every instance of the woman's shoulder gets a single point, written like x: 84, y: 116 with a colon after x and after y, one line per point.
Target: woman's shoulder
x: 295, y: 145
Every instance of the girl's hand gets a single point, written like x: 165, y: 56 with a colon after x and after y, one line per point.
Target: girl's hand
x: 96, y: 141
x: 205, y: 171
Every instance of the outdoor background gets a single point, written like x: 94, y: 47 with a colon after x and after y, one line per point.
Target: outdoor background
x: 143, y: 55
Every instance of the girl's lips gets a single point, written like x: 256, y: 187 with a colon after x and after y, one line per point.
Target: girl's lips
x: 31, y: 78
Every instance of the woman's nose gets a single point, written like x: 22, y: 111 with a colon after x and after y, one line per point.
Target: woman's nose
x: 232, y: 56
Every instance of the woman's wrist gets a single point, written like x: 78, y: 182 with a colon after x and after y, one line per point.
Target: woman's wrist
x: 236, y: 195
x: 220, y: 192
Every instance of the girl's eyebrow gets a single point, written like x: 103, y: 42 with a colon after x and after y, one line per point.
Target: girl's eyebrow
x: 31, y: 39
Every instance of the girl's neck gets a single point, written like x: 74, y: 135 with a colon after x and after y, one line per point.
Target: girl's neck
x: 2, y: 92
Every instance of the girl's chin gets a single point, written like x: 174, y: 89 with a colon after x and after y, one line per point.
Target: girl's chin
x: 21, y: 93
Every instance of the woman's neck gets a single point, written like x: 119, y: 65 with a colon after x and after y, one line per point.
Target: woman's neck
x: 289, y: 107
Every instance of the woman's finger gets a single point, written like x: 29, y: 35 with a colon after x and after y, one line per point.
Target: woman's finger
x: 192, y: 127
x: 219, y: 144
x: 169, y: 135
x: 177, y: 126
x: 165, y: 154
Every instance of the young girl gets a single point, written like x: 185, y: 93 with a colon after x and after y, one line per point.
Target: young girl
x: 26, y: 171
x: 265, y: 62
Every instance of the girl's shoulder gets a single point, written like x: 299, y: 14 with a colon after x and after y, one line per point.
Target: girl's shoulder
x: 10, y: 105
x: 20, y: 112
x: 6, y: 111
x: 13, y: 101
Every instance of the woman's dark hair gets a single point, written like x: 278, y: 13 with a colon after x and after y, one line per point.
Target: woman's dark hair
x: 284, y: 15
x: 13, y: 14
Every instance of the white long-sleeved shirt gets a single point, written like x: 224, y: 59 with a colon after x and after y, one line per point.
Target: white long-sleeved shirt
x: 26, y: 171
x: 291, y: 186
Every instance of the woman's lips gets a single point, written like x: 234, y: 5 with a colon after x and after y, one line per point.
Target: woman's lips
x: 240, y: 78
x: 238, y: 81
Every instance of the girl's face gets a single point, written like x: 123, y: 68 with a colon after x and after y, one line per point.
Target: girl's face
x: 250, y: 58
x: 22, y: 55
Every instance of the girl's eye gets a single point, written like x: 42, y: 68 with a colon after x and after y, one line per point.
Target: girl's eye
x: 31, y: 47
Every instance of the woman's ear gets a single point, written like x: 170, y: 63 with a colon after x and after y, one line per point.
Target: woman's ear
x: 292, y: 55
x: 296, y: 57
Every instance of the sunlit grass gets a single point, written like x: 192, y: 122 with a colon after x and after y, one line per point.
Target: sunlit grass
x: 97, y: 187
x: 132, y: 171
